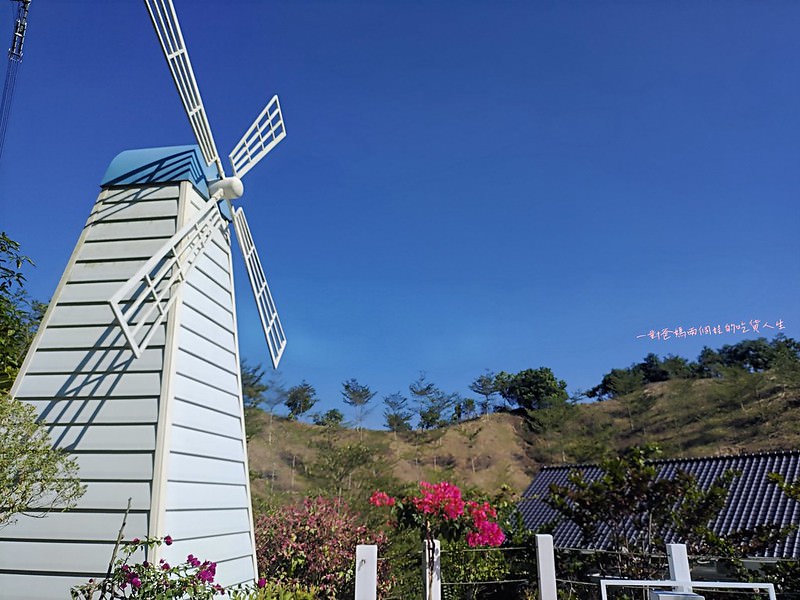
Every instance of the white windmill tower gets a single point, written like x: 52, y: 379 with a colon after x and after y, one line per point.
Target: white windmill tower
x: 136, y: 366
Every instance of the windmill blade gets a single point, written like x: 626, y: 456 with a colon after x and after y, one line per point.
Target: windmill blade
x: 264, y: 134
x: 142, y: 303
x: 273, y: 330
x: 168, y: 30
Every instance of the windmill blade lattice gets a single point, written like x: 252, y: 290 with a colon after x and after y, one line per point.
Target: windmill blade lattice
x: 142, y: 303
x: 264, y: 134
x: 270, y: 322
x: 165, y: 22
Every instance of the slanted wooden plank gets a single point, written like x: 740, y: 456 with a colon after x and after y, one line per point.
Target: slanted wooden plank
x: 113, y: 496
x: 121, y: 249
x: 202, y: 523
x: 127, y: 210
x: 91, y: 337
x: 104, y: 437
x: 97, y: 411
x: 190, y: 441
x: 89, y: 385
x: 81, y: 526
x: 134, y: 230
x: 115, y: 466
x: 93, y: 361
x: 184, y: 467
x: 199, y: 393
x: 58, y: 557
x: 201, y: 418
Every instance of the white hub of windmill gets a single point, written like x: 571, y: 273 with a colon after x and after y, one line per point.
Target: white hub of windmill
x: 135, y: 368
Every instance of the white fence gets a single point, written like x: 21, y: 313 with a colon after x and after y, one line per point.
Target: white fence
x: 680, y: 581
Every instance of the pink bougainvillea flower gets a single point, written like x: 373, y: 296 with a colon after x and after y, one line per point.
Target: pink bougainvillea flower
x: 168, y: 540
x: 379, y: 498
x: 261, y: 582
x: 136, y: 582
x: 135, y: 541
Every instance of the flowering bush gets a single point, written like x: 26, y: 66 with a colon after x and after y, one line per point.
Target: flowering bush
x: 193, y: 578
x: 440, y: 512
x: 314, y: 543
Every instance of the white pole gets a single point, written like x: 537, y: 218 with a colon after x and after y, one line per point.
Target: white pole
x: 366, y: 572
x: 546, y: 567
x: 679, y: 567
x: 432, y: 570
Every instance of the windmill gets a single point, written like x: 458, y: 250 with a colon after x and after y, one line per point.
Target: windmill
x: 135, y: 368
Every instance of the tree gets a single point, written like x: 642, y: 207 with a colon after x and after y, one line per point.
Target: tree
x: 357, y: 396
x: 300, y: 399
x: 485, y: 385
x: 396, y: 413
x: 332, y: 418
x: 532, y: 389
x: 19, y: 315
x: 432, y: 403
x: 634, y: 506
x: 36, y: 478
x: 253, y: 387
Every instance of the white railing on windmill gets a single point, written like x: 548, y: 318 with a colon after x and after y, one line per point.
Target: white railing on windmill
x: 142, y: 303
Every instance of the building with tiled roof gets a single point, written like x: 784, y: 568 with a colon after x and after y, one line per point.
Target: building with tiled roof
x: 752, y: 500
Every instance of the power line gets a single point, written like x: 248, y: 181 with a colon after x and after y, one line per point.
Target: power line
x: 14, y: 60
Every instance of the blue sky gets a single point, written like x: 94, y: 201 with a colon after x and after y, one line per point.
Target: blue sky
x: 464, y: 185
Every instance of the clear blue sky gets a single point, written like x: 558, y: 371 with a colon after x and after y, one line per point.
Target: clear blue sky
x: 464, y: 185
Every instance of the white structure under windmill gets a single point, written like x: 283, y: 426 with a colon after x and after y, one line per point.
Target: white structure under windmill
x: 135, y: 368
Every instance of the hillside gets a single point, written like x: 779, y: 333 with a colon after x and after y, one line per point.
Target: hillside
x: 743, y: 412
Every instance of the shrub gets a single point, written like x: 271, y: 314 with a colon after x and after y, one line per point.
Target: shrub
x: 313, y: 544
x: 193, y: 578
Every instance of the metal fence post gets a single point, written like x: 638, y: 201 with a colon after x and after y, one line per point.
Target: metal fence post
x: 432, y: 570
x: 366, y: 572
x: 546, y: 567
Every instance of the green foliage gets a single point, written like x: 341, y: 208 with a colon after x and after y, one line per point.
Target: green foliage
x: 485, y: 385
x: 300, y: 399
x: 532, y: 389
x: 396, y: 413
x: 19, y: 316
x: 635, y: 508
x: 35, y: 478
x: 433, y: 405
x: 358, y: 396
x: 332, y: 418
x: 747, y: 356
x: 253, y: 386
x: 190, y: 579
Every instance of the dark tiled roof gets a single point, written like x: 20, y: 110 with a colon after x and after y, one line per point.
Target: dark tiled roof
x: 752, y: 499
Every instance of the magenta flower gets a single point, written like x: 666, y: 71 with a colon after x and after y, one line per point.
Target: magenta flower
x: 168, y: 540
x: 136, y: 582
x: 379, y: 498
x: 261, y: 582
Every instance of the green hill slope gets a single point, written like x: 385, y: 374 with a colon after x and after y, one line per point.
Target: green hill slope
x: 742, y: 412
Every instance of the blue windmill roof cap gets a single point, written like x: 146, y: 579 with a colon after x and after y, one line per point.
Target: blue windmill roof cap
x: 160, y: 165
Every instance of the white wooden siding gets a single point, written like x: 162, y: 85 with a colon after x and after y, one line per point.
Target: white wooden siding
x: 71, y: 558
x: 38, y: 587
x: 105, y: 411
x: 207, y: 489
x: 138, y: 431
x: 76, y: 527
x: 98, y: 401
